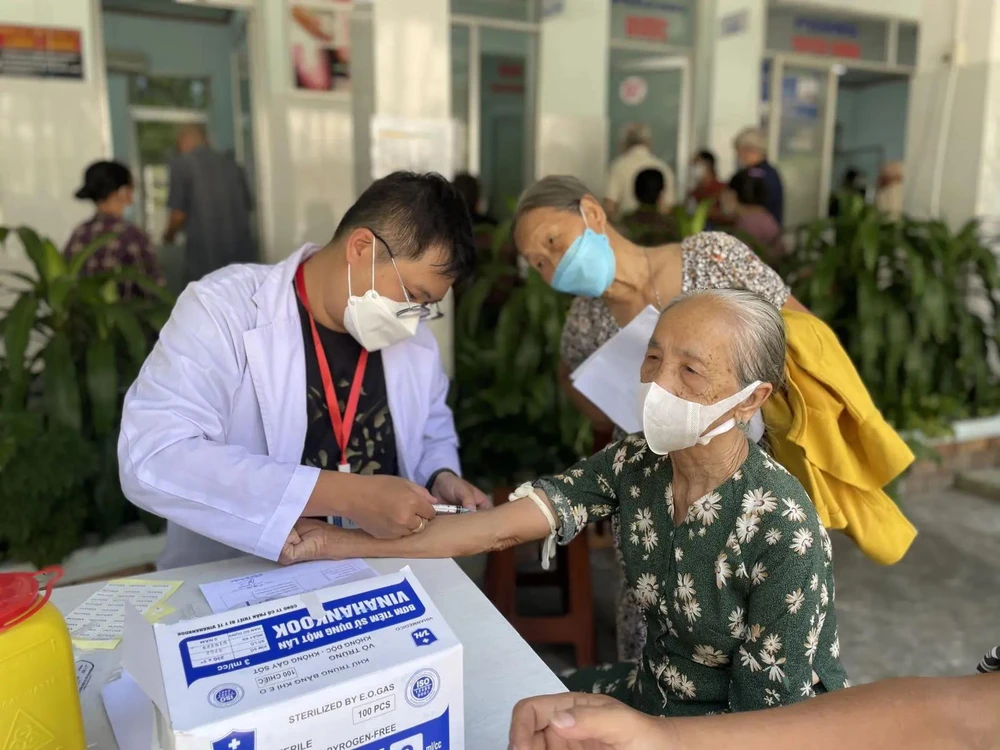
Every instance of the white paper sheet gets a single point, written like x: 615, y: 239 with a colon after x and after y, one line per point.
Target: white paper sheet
x: 274, y: 584
x: 97, y: 623
x: 130, y: 713
x: 412, y: 143
x: 610, y: 376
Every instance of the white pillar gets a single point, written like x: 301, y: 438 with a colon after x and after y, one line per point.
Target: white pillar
x: 952, y: 147
x: 735, y: 75
x: 572, y: 132
x: 413, y: 79
x: 52, y: 128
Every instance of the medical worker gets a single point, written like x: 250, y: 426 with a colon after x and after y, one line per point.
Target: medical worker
x: 306, y: 388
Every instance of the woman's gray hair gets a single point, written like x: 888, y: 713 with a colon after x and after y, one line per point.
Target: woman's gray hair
x: 758, y: 339
x: 560, y: 192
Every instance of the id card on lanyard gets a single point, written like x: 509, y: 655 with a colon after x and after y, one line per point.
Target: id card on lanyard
x: 341, y: 424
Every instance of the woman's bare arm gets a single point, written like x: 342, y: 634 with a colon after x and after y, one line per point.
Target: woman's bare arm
x: 459, y: 535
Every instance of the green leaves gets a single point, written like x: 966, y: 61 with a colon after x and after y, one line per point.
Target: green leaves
x: 102, y: 384
x: 71, y: 343
x: 898, y: 296
x: 17, y: 331
x: 511, y: 415
x: 62, y: 394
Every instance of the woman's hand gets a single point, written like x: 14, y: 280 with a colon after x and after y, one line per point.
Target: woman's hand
x: 581, y: 721
x: 309, y: 540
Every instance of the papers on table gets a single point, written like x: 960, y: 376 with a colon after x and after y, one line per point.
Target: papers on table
x: 610, y: 376
x: 274, y: 584
x: 130, y: 713
x: 98, y: 622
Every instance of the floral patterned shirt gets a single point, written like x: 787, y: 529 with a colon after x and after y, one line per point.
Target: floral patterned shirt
x: 737, y: 599
x: 128, y: 247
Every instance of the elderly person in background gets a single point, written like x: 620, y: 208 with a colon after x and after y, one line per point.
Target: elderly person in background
x: 744, y: 202
x: 724, y: 552
x: 648, y: 225
x: 210, y: 201
x: 559, y: 224
x: 636, y: 155
x: 889, y: 194
x: 751, y: 151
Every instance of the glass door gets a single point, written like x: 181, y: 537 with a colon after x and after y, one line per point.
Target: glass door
x: 802, y: 138
x: 652, y: 89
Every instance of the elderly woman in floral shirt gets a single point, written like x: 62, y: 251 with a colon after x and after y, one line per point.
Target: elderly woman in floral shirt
x: 722, y: 547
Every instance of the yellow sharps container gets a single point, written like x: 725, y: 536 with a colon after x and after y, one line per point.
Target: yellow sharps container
x: 39, y: 704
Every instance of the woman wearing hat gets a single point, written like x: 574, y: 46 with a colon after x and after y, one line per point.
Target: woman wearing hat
x: 109, y: 185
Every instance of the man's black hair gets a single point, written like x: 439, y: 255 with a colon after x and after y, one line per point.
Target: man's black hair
x: 708, y: 157
x: 649, y: 184
x: 750, y: 186
x: 413, y: 213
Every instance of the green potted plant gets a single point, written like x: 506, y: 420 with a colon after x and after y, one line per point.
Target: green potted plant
x: 898, y: 295
x: 72, y: 346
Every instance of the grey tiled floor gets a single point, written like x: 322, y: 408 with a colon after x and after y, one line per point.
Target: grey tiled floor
x: 935, y: 613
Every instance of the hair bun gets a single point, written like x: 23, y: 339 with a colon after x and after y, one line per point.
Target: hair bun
x: 83, y: 193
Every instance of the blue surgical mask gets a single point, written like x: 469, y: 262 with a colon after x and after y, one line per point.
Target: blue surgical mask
x: 588, y: 267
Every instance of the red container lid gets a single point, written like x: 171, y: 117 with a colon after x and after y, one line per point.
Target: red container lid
x: 19, y: 594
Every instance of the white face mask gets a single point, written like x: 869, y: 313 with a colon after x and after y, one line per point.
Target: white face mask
x: 374, y: 320
x: 698, y: 171
x: 673, y: 424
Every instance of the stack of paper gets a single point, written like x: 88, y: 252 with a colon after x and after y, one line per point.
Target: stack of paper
x: 99, y: 621
x: 255, y: 588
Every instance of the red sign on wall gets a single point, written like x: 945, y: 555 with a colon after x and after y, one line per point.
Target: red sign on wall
x: 815, y: 45
x: 649, y: 28
x: 40, y: 52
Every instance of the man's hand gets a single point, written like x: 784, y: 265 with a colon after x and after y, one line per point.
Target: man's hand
x: 390, y: 507
x: 453, y: 490
x: 579, y: 721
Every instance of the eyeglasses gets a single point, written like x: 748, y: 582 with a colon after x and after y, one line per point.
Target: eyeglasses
x: 417, y: 310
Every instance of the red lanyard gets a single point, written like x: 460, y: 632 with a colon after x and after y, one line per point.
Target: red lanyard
x: 341, y: 425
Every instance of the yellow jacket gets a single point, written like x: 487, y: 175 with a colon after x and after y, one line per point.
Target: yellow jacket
x: 830, y: 435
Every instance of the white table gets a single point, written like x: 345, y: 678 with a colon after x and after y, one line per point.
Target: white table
x: 500, y: 668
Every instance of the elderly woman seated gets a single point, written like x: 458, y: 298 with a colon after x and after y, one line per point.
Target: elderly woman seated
x: 722, y: 547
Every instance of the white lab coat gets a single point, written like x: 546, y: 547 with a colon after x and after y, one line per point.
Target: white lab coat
x: 213, y: 428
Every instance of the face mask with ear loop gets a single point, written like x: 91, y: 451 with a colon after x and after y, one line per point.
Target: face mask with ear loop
x: 375, y: 321
x: 588, y: 267
x: 671, y: 423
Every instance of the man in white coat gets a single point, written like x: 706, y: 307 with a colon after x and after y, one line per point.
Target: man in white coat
x: 307, y: 388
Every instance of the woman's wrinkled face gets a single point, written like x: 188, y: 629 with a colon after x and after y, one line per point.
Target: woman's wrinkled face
x: 543, y: 235
x: 689, y: 353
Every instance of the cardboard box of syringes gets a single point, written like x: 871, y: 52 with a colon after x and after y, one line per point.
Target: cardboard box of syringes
x: 369, y: 665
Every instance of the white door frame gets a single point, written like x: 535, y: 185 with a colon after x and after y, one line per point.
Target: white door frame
x: 681, y: 62
x: 778, y: 64
x: 139, y: 114
x: 473, y: 136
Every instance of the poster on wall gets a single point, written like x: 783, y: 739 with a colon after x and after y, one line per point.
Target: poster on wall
x: 40, y: 52
x: 413, y: 144
x: 319, y: 40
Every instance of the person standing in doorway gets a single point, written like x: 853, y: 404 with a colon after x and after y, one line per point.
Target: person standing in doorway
x: 751, y: 151
x: 889, y: 195
x: 210, y: 201
x: 636, y: 156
